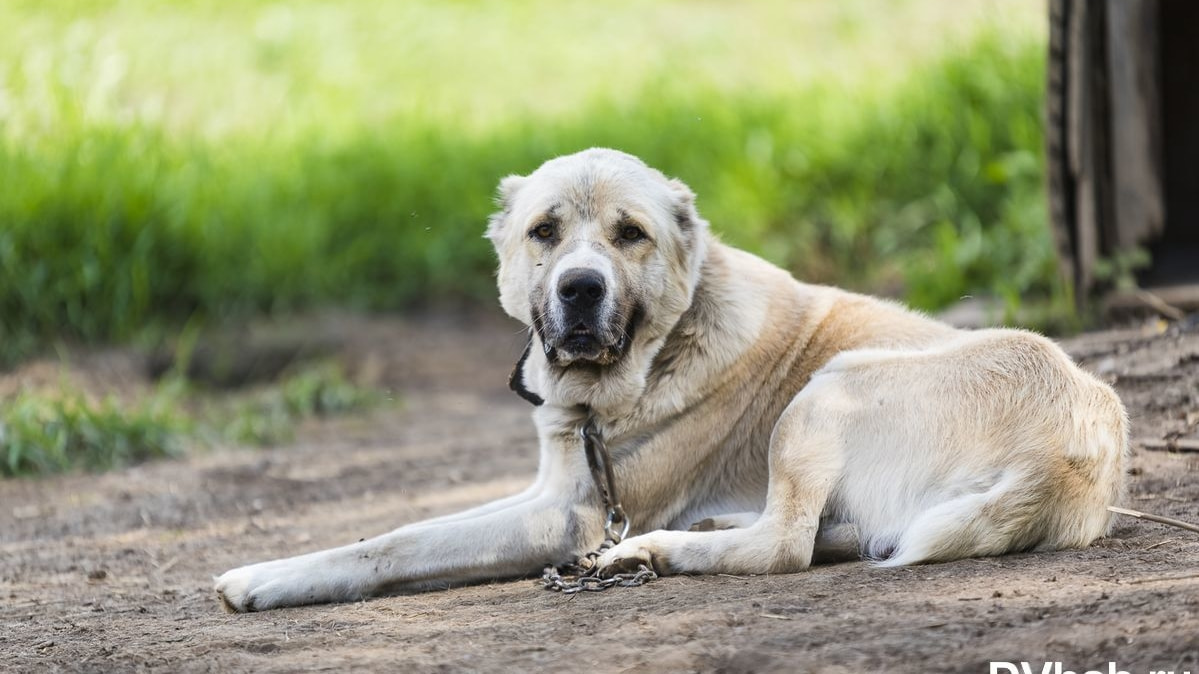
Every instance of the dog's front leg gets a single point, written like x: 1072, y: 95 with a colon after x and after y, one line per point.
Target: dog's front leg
x: 504, y: 543
x: 554, y: 520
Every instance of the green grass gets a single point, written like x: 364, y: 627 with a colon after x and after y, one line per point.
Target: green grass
x: 270, y: 416
x: 44, y: 432
x: 207, y: 161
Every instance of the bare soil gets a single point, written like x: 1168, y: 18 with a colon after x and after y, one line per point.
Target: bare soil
x: 113, y: 572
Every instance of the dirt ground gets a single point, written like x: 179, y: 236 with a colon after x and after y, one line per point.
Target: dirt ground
x: 113, y: 572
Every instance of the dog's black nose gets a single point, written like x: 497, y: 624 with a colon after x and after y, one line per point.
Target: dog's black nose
x: 581, y: 288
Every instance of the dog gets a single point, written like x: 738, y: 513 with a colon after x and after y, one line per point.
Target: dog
x: 755, y: 423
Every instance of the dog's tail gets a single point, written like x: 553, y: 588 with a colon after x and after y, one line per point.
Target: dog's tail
x: 981, y: 524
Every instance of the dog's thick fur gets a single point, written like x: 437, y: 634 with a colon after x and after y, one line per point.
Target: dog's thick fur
x: 783, y: 420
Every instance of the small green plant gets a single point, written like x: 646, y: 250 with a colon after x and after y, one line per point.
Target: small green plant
x: 323, y: 391
x: 42, y: 433
x: 1120, y: 270
x: 271, y: 416
x: 52, y: 432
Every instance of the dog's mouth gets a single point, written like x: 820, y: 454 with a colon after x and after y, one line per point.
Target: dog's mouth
x: 582, y: 339
x: 586, y: 343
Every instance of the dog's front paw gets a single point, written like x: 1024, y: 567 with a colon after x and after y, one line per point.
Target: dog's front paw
x: 250, y: 588
x: 259, y: 587
x: 631, y: 555
x: 233, y: 589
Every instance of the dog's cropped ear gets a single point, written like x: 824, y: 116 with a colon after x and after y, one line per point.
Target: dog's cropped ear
x: 685, y: 214
x: 505, y: 195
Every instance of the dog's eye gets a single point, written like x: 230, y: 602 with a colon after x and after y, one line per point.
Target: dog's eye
x: 632, y: 233
x: 543, y: 231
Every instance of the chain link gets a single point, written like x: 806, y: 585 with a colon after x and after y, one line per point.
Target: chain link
x: 583, y: 574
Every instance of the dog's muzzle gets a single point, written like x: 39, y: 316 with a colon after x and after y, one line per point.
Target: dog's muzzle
x: 584, y: 326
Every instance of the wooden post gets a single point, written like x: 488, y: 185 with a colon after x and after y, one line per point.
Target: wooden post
x: 1103, y: 135
x: 1132, y: 60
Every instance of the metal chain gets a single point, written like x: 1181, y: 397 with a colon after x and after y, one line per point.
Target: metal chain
x: 600, y: 463
x: 583, y: 574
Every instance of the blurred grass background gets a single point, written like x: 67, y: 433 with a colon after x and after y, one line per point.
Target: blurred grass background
x: 50, y: 431
x: 164, y: 164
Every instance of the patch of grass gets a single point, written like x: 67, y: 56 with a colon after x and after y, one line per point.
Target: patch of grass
x: 271, y: 416
x: 43, y: 432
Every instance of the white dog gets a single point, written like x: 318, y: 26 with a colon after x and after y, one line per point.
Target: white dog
x: 786, y: 419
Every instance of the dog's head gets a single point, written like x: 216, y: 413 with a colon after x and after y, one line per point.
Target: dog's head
x: 598, y: 252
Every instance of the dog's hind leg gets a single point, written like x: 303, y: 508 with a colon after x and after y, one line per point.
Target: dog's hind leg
x: 837, y: 542
x: 807, y: 457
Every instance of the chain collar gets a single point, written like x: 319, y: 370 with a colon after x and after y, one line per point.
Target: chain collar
x: 600, y: 463
x: 582, y: 575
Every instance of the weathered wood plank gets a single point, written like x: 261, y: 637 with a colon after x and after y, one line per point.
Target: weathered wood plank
x: 1132, y: 64
x: 1057, y: 162
x: 1085, y: 165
